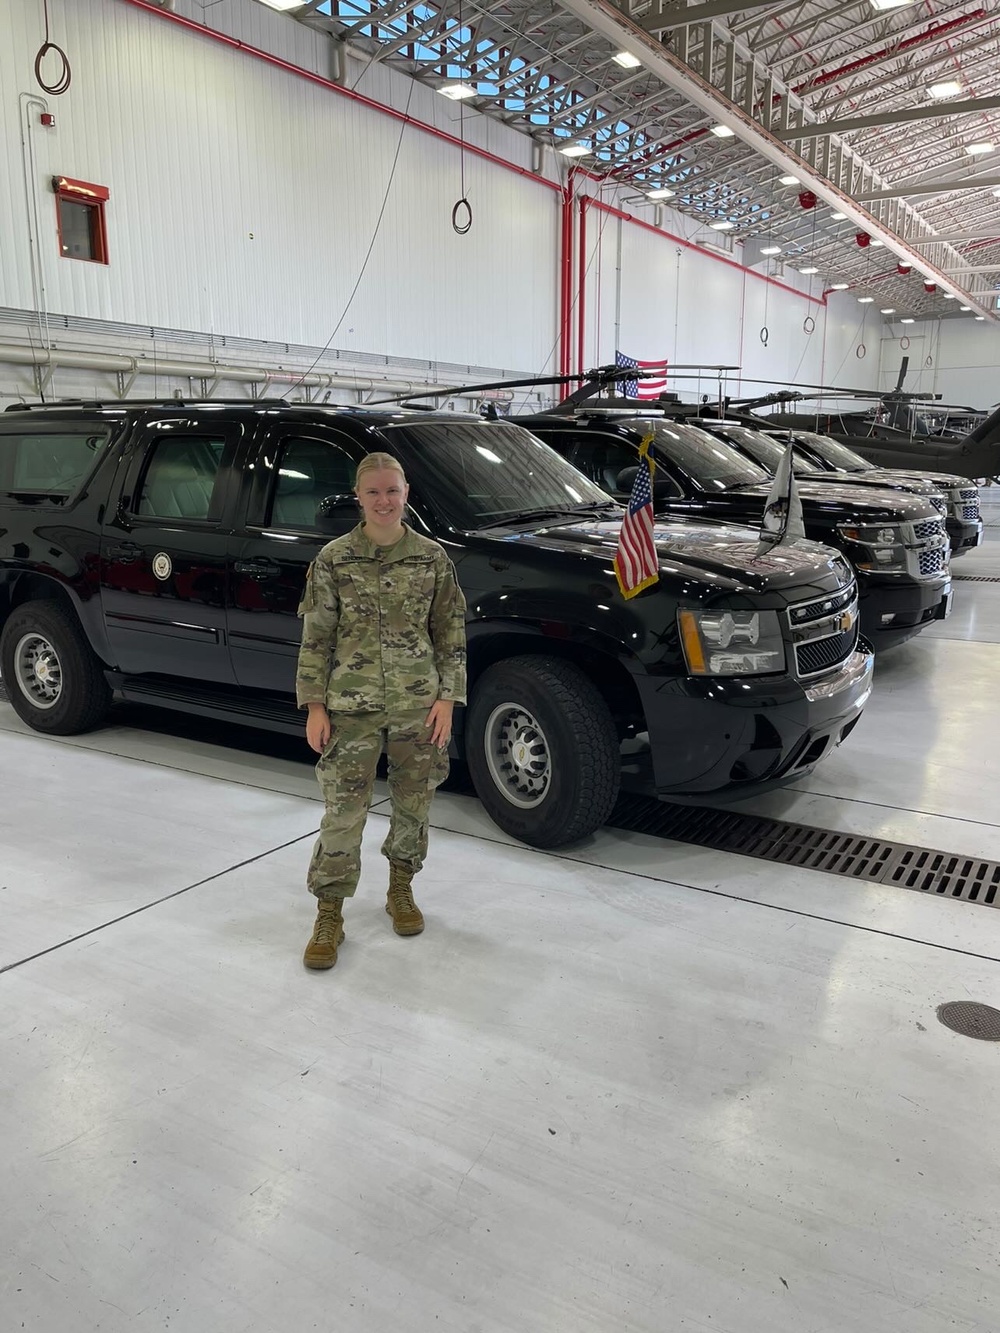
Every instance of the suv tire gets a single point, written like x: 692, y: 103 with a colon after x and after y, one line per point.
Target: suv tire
x: 542, y: 750
x: 52, y: 677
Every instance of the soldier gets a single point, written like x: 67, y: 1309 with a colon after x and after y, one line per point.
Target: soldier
x: 382, y: 659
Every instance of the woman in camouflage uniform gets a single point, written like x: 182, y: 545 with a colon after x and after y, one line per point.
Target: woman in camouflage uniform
x: 382, y: 661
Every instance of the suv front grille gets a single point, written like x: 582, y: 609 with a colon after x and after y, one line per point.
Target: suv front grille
x: 824, y: 632
x: 928, y: 530
x: 939, y: 503
x: 811, y: 658
x: 931, y: 561
x: 970, y: 513
x: 808, y: 612
x: 969, y: 493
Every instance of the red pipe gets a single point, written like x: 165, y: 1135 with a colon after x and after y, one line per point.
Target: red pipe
x: 255, y: 51
x: 929, y: 35
x: 581, y: 288
x: 566, y: 279
x: 690, y: 245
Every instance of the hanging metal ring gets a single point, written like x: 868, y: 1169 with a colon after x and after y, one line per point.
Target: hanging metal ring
x: 808, y: 324
x: 904, y: 342
x: 929, y: 360
x: 764, y: 335
x: 861, y: 351
x: 65, y: 78
x: 461, y: 217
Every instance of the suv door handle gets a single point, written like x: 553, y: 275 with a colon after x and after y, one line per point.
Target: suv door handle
x: 258, y: 569
x: 124, y: 551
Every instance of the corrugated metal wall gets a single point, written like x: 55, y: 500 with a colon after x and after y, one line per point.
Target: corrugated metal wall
x: 244, y: 199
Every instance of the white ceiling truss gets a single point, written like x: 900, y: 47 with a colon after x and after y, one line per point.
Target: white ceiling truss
x: 835, y: 94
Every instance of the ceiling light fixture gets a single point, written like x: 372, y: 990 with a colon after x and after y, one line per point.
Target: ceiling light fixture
x: 722, y: 132
x: 283, y: 4
x: 906, y: 321
x: 978, y: 149
x: 839, y: 286
x: 722, y: 226
x: 456, y: 91
x: 949, y: 88
x: 949, y: 296
x: 808, y: 271
x: 663, y: 193
x: 980, y: 318
x: 837, y: 217
x: 865, y: 300
x: 627, y: 60
x: 889, y: 310
x: 965, y: 307
x: 890, y: 4
x: 788, y: 180
x: 877, y: 245
x: 771, y: 250
x: 575, y: 150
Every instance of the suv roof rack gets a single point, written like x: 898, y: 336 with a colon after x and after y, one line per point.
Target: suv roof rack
x: 103, y: 404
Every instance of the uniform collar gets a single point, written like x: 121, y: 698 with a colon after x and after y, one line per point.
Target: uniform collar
x: 362, y: 546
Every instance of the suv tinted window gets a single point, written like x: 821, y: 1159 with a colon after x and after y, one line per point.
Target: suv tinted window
x: 49, y: 464
x: 180, y: 477
x: 308, y: 471
x: 484, y: 471
x: 713, y: 464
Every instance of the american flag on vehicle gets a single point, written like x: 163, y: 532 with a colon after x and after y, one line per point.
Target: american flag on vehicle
x: 631, y: 386
x: 636, y: 565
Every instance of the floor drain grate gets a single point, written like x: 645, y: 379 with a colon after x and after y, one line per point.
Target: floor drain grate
x: 981, y: 1021
x: 874, y: 860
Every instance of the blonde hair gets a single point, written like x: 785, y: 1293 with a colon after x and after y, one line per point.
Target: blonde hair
x: 377, y: 463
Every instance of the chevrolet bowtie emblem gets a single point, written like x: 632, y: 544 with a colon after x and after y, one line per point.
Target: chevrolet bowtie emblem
x: 846, y: 621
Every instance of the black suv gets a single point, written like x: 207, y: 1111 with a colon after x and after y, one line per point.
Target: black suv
x: 822, y: 454
x: 157, y: 552
x: 896, y: 542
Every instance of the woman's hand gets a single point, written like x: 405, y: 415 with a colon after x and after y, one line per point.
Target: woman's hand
x: 439, y: 721
x: 318, y: 728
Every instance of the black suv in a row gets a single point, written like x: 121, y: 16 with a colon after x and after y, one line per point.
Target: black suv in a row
x: 896, y: 541
x: 157, y: 552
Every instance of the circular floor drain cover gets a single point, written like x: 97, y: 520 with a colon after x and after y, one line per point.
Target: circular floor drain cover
x: 971, y: 1020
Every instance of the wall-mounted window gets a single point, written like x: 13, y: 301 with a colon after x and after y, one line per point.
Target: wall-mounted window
x: 83, y: 232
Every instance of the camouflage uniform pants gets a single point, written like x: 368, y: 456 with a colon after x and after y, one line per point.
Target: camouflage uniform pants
x: 346, y: 773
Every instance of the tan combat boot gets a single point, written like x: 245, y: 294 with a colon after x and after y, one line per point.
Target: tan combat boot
x: 328, y: 934
x: 407, y: 919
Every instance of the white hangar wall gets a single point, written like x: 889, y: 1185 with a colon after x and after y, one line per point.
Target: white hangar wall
x: 958, y: 357
x: 244, y: 198
x: 653, y: 292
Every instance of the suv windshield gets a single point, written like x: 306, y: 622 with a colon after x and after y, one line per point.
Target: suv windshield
x: 764, y: 449
x: 474, y: 473
x: 837, y: 455
x: 713, y: 464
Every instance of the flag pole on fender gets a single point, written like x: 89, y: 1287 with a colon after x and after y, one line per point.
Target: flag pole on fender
x: 782, y: 519
x: 636, y: 563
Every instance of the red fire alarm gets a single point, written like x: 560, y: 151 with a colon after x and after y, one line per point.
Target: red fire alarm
x: 863, y: 239
x: 47, y: 119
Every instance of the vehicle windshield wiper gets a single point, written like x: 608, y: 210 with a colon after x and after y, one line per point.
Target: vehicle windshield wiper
x: 534, y: 515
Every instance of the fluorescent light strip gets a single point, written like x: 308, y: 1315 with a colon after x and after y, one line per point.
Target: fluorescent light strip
x: 627, y: 60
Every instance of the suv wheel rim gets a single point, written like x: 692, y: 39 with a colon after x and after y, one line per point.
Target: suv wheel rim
x: 518, y: 756
x: 38, y: 671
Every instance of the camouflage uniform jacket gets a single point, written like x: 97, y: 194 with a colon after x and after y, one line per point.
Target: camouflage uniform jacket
x: 383, y: 627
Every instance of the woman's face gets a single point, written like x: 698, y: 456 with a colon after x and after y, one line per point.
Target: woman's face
x: 382, y: 495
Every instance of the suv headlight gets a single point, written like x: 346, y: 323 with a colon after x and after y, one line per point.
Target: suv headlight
x: 883, y: 543
x: 731, y: 643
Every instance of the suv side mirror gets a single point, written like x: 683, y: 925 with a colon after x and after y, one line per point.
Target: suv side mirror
x: 664, y: 488
x: 337, y: 515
